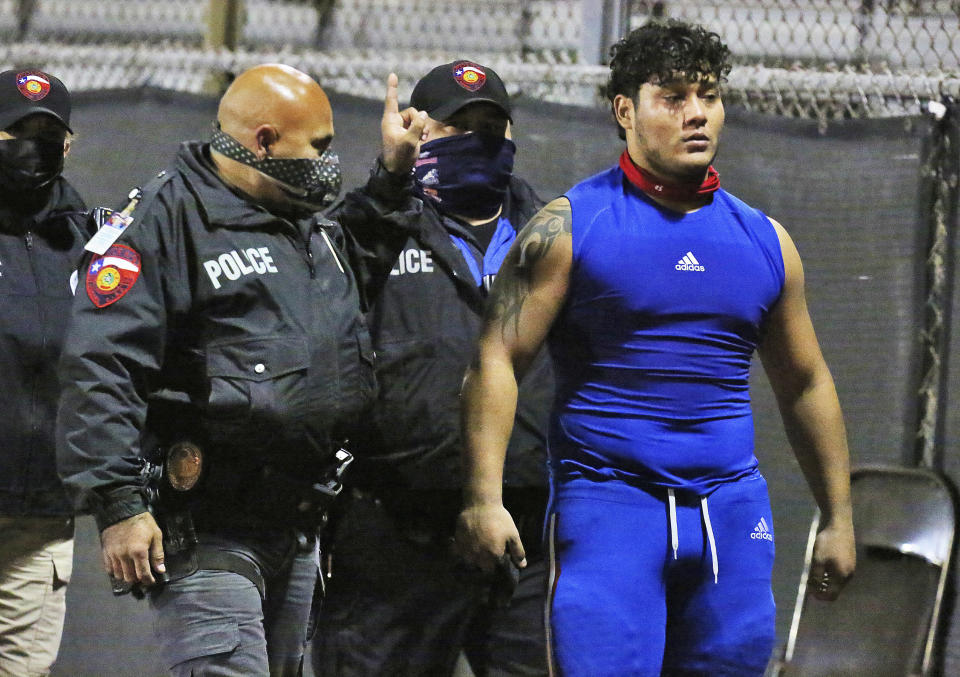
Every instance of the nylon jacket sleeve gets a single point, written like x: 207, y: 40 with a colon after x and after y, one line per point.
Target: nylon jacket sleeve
x: 377, y: 219
x: 112, y: 355
x: 524, y: 200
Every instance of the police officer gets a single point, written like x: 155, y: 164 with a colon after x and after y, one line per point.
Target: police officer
x: 398, y: 601
x: 219, y: 321
x: 42, y: 231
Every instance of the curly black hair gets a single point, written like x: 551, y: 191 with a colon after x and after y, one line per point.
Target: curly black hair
x: 662, y: 51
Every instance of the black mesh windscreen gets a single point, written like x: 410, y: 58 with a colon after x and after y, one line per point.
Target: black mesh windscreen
x: 849, y: 199
x: 848, y: 196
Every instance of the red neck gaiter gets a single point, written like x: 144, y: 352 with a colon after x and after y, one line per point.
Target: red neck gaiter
x: 680, y: 192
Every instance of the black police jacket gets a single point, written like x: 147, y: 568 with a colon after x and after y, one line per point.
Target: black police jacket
x: 238, y: 330
x: 425, y: 327
x: 39, y: 253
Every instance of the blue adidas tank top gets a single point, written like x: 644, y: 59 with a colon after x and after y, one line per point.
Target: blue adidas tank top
x: 652, y: 349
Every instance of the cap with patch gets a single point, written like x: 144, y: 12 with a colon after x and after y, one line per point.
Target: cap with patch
x: 448, y: 88
x: 25, y: 92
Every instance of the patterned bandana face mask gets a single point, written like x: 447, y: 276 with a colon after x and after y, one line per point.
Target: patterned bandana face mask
x: 315, y: 181
x: 466, y: 174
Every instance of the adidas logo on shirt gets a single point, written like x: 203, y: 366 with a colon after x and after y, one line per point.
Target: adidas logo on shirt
x: 761, y: 532
x: 689, y: 262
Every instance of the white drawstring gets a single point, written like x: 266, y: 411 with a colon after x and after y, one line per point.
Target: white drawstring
x: 674, y: 536
x: 713, y: 543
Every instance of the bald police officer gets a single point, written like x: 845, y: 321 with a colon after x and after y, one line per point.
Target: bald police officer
x: 219, y: 332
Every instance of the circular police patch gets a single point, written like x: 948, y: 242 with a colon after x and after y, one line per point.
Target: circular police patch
x: 108, y: 279
x: 33, y: 84
x: 111, y: 275
x: 469, y: 75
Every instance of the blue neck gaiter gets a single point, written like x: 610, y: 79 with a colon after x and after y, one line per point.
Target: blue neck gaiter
x: 466, y: 175
x: 485, y: 270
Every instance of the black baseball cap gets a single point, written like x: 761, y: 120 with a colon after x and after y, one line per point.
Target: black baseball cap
x: 25, y: 92
x: 448, y: 88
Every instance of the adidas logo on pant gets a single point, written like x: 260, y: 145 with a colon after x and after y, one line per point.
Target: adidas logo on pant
x: 761, y: 532
x: 689, y: 262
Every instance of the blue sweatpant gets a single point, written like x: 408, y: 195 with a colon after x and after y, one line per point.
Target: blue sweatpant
x: 622, y: 603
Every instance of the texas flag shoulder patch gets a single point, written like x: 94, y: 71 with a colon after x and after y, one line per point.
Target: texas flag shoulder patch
x: 112, y: 274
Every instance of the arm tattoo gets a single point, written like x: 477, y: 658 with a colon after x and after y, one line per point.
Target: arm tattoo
x: 516, y: 276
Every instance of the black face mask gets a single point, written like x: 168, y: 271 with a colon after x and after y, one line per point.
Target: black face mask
x: 314, y: 183
x: 28, y: 165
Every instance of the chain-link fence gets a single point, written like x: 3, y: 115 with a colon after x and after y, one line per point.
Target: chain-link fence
x: 831, y: 59
x: 824, y: 59
x: 870, y: 35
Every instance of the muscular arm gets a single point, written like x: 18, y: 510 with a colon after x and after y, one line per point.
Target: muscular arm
x: 813, y: 421
x: 526, y: 298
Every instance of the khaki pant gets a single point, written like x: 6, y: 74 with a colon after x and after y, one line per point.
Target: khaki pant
x: 36, y: 560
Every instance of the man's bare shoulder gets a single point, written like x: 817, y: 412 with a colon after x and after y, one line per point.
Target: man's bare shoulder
x: 538, y: 265
x: 548, y: 227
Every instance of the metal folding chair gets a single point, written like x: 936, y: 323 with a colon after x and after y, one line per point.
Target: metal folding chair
x: 886, y: 621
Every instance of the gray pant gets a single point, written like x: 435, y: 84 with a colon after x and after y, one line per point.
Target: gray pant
x: 214, y: 622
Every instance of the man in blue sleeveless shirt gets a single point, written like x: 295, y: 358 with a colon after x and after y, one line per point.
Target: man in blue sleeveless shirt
x: 653, y: 287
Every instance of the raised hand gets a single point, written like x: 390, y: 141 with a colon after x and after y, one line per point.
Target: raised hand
x: 401, y: 131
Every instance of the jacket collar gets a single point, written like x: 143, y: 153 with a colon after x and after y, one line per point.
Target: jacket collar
x: 222, y: 204
x: 62, y: 201
x: 434, y: 233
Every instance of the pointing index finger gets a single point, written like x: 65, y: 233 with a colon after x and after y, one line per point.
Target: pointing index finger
x: 390, y: 105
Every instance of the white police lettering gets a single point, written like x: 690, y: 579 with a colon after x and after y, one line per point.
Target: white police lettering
x: 234, y: 264
x: 254, y: 256
x: 228, y: 266
x: 413, y: 261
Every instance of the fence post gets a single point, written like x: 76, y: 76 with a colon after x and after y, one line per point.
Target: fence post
x: 225, y: 20
x: 602, y: 23
x: 940, y: 212
x: 25, y: 10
